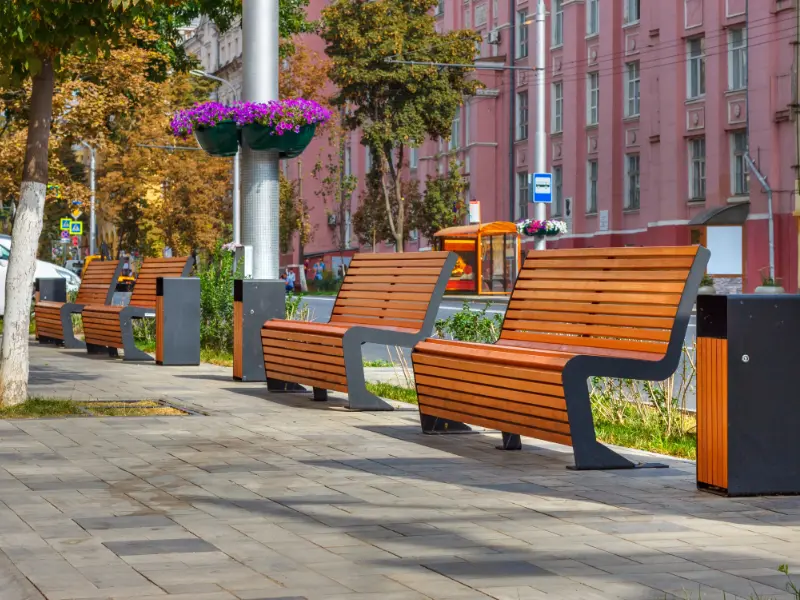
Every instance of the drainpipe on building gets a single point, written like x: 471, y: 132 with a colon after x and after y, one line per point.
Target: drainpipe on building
x: 763, y: 181
x: 512, y: 106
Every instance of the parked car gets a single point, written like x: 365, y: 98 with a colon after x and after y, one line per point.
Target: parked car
x: 43, y: 269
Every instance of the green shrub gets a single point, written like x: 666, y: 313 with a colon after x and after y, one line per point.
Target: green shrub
x: 216, y: 301
x: 328, y: 283
x: 468, y: 325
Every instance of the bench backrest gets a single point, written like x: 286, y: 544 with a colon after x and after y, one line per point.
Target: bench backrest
x: 98, y: 282
x: 144, y: 290
x: 389, y: 290
x: 615, y: 298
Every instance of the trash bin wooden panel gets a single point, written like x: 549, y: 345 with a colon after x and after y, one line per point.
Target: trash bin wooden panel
x: 712, y: 412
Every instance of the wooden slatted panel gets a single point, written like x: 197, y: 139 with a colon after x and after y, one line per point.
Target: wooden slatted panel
x: 456, y: 381
x: 388, y: 290
x: 238, y: 339
x: 613, y: 298
x: 712, y: 412
x: 48, y: 320
x: 144, y: 291
x: 299, y: 353
x: 96, y: 281
x: 101, y: 326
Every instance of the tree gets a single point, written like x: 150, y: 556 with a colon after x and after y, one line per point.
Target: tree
x: 294, y: 217
x: 396, y: 105
x: 444, y: 202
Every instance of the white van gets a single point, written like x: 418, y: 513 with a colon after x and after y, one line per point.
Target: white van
x: 43, y: 270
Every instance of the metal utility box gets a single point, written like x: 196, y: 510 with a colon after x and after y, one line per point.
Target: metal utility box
x: 51, y: 289
x: 178, y: 321
x: 254, y: 302
x: 748, y: 406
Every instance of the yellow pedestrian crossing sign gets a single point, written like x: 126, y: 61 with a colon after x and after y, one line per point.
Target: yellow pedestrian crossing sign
x: 66, y: 224
x: 76, y: 228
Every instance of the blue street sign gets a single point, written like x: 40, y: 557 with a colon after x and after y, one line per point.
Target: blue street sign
x: 76, y: 228
x: 542, y: 187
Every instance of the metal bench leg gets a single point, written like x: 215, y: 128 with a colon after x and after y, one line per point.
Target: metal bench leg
x: 511, y: 441
x: 128, y: 342
x: 95, y: 349
x: 70, y: 341
x: 432, y: 425
x: 359, y: 396
x: 320, y: 394
x: 589, y: 453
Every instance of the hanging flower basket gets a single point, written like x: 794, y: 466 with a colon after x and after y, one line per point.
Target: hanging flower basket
x: 220, y: 140
x: 213, y: 125
x: 539, y: 229
x: 285, y: 125
x: 289, y: 144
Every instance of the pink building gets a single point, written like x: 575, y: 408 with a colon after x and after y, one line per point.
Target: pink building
x: 648, y: 124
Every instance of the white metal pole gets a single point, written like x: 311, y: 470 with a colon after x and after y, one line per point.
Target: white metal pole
x: 92, y: 188
x: 260, y: 169
x: 540, y: 148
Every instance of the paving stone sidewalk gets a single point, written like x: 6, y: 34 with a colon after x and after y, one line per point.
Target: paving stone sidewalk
x: 276, y: 496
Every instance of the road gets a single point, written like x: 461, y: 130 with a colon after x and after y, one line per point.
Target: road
x: 321, y: 307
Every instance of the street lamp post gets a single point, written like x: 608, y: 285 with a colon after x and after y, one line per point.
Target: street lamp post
x: 540, y: 142
x: 237, y: 203
x: 93, y: 190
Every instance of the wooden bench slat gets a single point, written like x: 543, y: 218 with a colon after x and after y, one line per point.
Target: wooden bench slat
x: 370, y: 270
x: 382, y: 322
x: 320, y: 340
x: 325, y: 367
x: 449, y: 378
x: 300, y: 374
x: 653, y: 347
x: 405, y: 256
x: 600, y: 275
x: 601, y: 297
x: 595, y: 319
x: 368, y: 286
x: 606, y: 308
x: 386, y: 303
x: 600, y: 286
x: 372, y: 295
x: 489, y: 353
x: 277, y: 345
x: 648, y: 264
x: 389, y: 311
x: 549, y: 418
x: 631, y: 333
x: 303, y: 354
x: 639, y: 251
x: 393, y: 279
x: 456, y: 364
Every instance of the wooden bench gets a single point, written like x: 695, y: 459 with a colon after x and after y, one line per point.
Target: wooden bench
x: 389, y: 299
x: 54, y: 319
x: 573, y: 314
x: 111, y: 327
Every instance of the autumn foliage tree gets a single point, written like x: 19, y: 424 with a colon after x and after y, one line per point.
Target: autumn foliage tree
x: 396, y: 105
x: 444, y: 202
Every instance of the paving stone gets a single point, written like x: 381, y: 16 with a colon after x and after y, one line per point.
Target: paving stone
x: 125, y: 522
x: 134, y: 548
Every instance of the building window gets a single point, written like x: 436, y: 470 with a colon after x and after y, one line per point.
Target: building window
x: 592, y: 17
x: 522, y: 195
x: 737, y: 59
x: 413, y: 158
x: 631, y: 181
x: 467, y: 124
x: 558, y: 22
x: 558, y: 107
x: 557, y: 208
x: 632, y: 89
x: 740, y: 186
x: 632, y: 11
x: 522, y: 116
x: 368, y: 160
x: 522, y: 34
x: 592, y: 98
x: 696, y: 69
x: 455, y: 131
x: 697, y: 169
x: 440, y: 8
x: 592, y: 171
x: 348, y: 166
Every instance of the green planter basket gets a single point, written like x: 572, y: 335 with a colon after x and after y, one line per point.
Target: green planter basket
x: 290, y: 144
x: 220, y: 140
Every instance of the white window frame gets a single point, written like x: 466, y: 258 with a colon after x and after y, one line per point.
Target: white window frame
x: 467, y: 123
x: 413, y: 157
x: 740, y: 185
x: 695, y: 68
x: 557, y: 117
x: 737, y: 53
x: 633, y: 173
x: 558, y: 23
x: 557, y: 207
x: 455, y: 131
x: 633, y: 11
x: 593, y: 98
x: 592, y: 180
x: 522, y: 194
x: 522, y: 34
x: 697, y: 169
x: 632, y: 89
x: 592, y: 17
x: 523, y: 114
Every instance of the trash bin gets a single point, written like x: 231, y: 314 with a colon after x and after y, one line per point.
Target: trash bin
x: 748, y: 407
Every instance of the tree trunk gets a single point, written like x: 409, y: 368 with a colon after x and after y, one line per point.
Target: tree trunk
x: 24, y: 240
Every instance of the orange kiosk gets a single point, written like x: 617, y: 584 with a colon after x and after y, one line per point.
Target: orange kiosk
x: 489, y: 257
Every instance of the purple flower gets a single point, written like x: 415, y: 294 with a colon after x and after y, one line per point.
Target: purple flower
x: 207, y: 114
